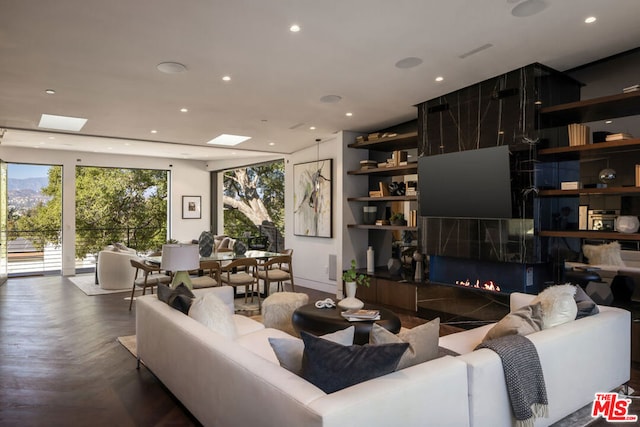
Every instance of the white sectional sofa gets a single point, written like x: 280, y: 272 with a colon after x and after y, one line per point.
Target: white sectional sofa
x: 240, y: 383
x: 226, y: 382
x: 579, y: 358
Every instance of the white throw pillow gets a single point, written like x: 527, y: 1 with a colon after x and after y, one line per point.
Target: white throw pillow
x: 558, y: 305
x: 212, y: 312
x: 423, y: 342
x: 607, y: 254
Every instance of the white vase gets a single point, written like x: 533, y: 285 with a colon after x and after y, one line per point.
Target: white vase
x: 350, y: 302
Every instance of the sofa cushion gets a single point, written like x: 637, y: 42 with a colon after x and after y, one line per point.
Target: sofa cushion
x: 558, y: 305
x: 524, y: 321
x: 586, y: 306
x: 289, y: 351
x: 607, y: 254
x: 422, y: 340
x: 212, y: 312
x: 179, y: 298
x: 332, y: 367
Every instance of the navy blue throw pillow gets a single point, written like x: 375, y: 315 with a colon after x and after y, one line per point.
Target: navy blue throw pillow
x: 332, y: 367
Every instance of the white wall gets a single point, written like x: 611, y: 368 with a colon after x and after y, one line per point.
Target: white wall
x: 188, y: 178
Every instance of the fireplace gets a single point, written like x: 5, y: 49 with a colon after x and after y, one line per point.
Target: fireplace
x: 502, y: 277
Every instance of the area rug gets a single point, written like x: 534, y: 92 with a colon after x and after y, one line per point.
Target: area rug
x: 129, y: 342
x: 87, y: 284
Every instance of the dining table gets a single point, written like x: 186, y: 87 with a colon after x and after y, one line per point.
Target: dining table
x: 222, y: 256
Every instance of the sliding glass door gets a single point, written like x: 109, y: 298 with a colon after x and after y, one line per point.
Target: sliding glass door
x: 3, y: 223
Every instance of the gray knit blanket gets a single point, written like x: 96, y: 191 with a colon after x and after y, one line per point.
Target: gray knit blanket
x: 524, y: 377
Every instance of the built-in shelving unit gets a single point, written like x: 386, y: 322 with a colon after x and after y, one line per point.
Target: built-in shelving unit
x: 388, y: 171
x: 589, y: 191
x: 402, y: 141
x: 383, y: 199
x: 588, y: 150
x: 589, y: 110
x: 587, y: 234
x: 383, y: 227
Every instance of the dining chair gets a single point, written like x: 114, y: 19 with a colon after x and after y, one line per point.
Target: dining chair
x: 151, y: 276
x: 210, y: 275
x: 241, y: 272
x: 277, y: 269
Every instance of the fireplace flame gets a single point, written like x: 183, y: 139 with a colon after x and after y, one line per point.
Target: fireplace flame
x: 487, y: 286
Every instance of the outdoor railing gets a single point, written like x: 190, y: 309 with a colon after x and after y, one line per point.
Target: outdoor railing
x: 40, y: 252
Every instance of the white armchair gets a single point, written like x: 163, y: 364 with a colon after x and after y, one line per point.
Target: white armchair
x: 114, y: 268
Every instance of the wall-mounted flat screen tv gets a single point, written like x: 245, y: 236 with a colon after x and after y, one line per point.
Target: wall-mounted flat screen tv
x: 466, y: 184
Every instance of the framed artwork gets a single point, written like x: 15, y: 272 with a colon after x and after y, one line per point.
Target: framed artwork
x: 312, y: 199
x: 191, y: 207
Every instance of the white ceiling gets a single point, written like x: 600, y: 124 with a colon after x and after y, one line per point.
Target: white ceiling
x: 101, y: 56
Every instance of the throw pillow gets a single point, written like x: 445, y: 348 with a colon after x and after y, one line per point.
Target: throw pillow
x: 179, y: 298
x: 332, y: 367
x: 422, y: 340
x: 212, y: 312
x: 523, y: 321
x: 586, y: 306
x: 289, y: 350
x: 607, y: 254
x: 558, y: 305
x: 120, y: 246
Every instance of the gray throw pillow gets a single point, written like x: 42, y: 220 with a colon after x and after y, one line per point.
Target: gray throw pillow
x: 586, y: 306
x: 332, y: 367
x: 423, y: 341
x: 179, y: 298
x: 289, y: 350
x: 524, y: 321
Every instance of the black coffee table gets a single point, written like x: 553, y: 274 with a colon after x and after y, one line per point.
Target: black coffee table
x: 320, y: 321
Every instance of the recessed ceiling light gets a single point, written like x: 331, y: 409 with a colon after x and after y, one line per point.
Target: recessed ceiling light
x: 52, y: 137
x: 409, y: 62
x: 272, y: 144
x: 528, y: 8
x: 226, y: 139
x: 184, y: 110
x: 226, y: 78
x: 349, y: 114
x: 330, y: 99
x: 294, y: 28
x: 608, y: 122
x: 171, y: 67
x: 50, y: 121
x: 312, y: 128
x: 50, y: 92
x: 154, y: 131
x: 439, y: 78
x: 590, y: 20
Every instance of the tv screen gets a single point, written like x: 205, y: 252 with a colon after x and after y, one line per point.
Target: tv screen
x: 467, y: 184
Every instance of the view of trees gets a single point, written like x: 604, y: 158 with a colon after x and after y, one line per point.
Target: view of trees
x: 112, y: 205
x: 253, y: 195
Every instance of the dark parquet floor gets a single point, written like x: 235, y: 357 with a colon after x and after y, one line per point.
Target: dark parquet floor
x: 60, y: 363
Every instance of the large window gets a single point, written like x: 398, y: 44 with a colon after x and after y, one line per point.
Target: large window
x: 254, y: 202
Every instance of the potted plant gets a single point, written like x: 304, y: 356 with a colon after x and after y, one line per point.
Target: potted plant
x: 352, y: 279
x: 398, y: 219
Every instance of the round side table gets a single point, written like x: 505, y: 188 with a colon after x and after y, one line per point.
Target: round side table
x: 320, y: 321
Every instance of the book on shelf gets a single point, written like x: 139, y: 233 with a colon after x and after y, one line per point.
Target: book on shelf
x: 578, y: 134
x: 361, y: 314
x: 619, y: 136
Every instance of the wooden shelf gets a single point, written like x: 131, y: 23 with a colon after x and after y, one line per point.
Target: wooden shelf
x: 403, y: 141
x: 585, y: 234
x: 584, y: 151
x: 408, y: 169
x: 589, y: 191
x: 590, y: 110
x: 383, y: 199
x: 383, y: 227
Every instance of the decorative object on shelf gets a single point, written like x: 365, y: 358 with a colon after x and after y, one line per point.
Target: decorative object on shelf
x: 371, y: 260
x: 398, y: 219
x: 191, y: 207
x: 352, y: 279
x: 325, y: 303
x: 419, y: 259
x: 370, y: 214
x: 394, y: 265
x: 627, y: 224
x: 607, y: 175
x: 397, y: 188
x: 312, y: 199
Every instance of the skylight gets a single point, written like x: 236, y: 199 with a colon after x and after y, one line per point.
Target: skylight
x: 226, y: 139
x: 49, y: 121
